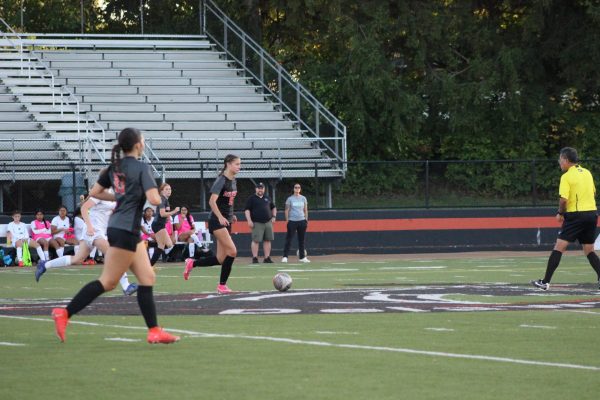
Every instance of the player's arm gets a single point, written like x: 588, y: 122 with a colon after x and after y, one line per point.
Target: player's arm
x: 85, y: 215
x: 212, y: 202
x: 101, y: 193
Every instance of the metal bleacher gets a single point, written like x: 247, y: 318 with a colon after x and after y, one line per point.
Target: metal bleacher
x: 71, y: 94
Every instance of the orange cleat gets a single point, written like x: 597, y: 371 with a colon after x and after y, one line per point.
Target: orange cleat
x: 61, y: 320
x: 157, y: 335
x: 21, y: 264
x: 223, y: 289
x: 189, y: 266
x: 89, y: 261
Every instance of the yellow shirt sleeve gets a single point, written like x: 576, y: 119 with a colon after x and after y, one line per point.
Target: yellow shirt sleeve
x: 564, y: 189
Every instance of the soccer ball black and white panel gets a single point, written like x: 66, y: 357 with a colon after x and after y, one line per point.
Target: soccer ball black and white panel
x: 282, y: 281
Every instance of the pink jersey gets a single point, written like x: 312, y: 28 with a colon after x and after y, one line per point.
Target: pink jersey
x: 43, y: 229
x: 169, y: 226
x: 184, y: 225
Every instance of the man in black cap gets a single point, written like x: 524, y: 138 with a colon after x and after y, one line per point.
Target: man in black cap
x: 260, y: 214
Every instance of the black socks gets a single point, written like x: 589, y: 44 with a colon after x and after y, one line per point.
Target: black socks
x: 157, y: 253
x: 594, y: 262
x: 86, y: 295
x: 206, y: 262
x: 226, y: 269
x: 145, y: 299
x: 553, y: 262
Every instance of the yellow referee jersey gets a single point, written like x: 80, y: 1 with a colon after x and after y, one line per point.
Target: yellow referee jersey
x: 577, y: 186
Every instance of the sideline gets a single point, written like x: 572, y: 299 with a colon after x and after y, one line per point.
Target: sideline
x: 334, y: 345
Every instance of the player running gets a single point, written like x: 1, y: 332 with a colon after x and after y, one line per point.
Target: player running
x: 95, y: 214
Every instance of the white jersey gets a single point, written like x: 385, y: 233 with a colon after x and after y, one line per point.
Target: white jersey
x: 60, y: 223
x: 79, y: 228
x: 147, y: 225
x: 100, y: 213
x: 18, y: 231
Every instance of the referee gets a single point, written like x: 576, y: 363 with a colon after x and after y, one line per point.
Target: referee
x: 576, y: 211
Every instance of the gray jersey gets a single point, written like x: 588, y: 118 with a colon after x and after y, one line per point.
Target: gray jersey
x: 295, y: 204
x: 164, y: 204
x: 130, y: 185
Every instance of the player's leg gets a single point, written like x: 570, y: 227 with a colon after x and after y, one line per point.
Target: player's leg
x: 226, y: 253
x: 162, y: 239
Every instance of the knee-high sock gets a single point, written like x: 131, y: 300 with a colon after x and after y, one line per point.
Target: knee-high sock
x: 46, y: 255
x: 196, y: 239
x: 40, y: 253
x: 93, y: 252
x: 206, y: 262
x: 76, y: 249
x: 64, y: 261
x: 150, y: 252
x: 226, y: 269
x: 60, y: 251
x: 553, y: 262
x: 157, y: 253
x: 124, y: 281
x: 594, y: 262
x: 145, y: 299
x: 192, y: 249
x: 168, y: 249
x: 86, y: 295
x: 20, y: 253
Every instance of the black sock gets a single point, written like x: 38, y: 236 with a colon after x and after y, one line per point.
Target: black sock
x: 157, y: 253
x: 553, y: 262
x: 86, y: 295
x: 145, y: 300
x: 594, y: 262
x: 206, y: 262
x: 226, y: 269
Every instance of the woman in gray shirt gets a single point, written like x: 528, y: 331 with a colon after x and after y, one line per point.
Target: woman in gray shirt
x: 296, y: 215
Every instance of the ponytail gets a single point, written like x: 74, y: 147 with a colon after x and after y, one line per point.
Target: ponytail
x: 115, y: 158
x: 228, y: 158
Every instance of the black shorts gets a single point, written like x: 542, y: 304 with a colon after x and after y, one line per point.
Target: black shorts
x: 157, y: 226
x: 579, y: 226
x: 123, y: 239
x: 214, y: 225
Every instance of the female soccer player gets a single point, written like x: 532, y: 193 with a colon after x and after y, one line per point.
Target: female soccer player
x: 223, y: 193
x: 132, y: 183
x: 186, y: 230
x: 42, y: 235
x: 96, y: 214
x: 163, y: 212
x: 60, y: 227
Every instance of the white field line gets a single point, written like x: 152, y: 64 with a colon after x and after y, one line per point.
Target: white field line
x: 12, y: 344
x: 581, y: 312
x: 336, y: 345
x: 537, y: 326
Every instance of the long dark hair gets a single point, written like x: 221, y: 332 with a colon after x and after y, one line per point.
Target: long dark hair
x: 127, y: 139
x: 228, y: 158
x: 188, y: 216
x: 40, y: 210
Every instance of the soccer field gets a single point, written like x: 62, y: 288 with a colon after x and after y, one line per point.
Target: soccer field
x: 452, y: 327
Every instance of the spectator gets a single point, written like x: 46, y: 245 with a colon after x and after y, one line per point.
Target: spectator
x: 296, y: 215
x: 42, y: 234
x: 17, y: 234
x: 186, y: 230
x: 147, y: 232
x: 260, y: 214
x: 61, y: 231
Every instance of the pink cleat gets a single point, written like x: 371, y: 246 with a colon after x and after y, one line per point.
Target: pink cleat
x: 156, y: 335
x: 189, y: 266
x: 61, y: 320
x: 223, y: 289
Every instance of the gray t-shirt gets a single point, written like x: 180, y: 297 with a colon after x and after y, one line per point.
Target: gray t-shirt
x: 130, y: 185
x: 295, y: 204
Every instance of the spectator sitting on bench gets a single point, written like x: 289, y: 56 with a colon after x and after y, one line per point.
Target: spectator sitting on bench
x: 62, y: 232
x: 147, y: 232
x: 42, y: 234
x: 186, y: 230
x: 17, y: 233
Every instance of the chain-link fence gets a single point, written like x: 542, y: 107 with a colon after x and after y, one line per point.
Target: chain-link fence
x: 367, y: 185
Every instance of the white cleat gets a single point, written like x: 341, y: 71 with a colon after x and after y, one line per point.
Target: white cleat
x: 304, y: 260
x: 284, y: 260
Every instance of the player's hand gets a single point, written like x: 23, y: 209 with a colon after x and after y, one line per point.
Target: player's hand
x: 223, y: 221
x: 90, y: 231
x: 251, y: 224
x: 560, y: 218
x: 234, y: 219
x: 176, y: 210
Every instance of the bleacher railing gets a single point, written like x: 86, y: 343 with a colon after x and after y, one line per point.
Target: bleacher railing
x: 294, y: 98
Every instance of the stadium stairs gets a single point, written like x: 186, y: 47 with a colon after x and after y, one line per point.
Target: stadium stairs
x: 70, y: 95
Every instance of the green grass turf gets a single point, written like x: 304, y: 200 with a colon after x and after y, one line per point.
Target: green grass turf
x: 240, y: 359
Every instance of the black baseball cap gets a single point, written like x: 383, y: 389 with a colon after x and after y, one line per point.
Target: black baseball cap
x: 260, y: 185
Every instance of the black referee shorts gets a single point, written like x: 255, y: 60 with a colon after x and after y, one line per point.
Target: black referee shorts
x: 580, y: 226
x: 123, y: 239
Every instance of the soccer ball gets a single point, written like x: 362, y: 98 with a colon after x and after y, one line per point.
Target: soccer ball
x: 282, y: 281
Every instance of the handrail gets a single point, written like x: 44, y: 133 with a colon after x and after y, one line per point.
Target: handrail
x: 20, y: 47
x: 110, y: 35
x: 282, y: 76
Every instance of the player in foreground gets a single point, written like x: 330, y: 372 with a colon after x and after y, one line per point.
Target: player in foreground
x: 577, y: 212
x: 132, y: 183
x: 223, y: 193
x: 95, y: 214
